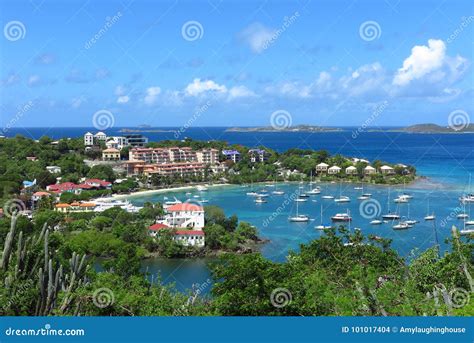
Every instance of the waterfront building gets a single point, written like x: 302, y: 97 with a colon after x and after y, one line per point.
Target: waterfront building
x: 369, y: 170
x: 111, y: 154
x: 351, y: 170
x: 322, y: 167
x: 208, y: 156
x: 258, y: 155
x: 387, y: 170
x: 232, y: 155
x: 334, y: 170
x: 136, y: 140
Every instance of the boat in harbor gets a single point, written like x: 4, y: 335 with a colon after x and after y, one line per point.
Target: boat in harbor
x: 408, y: 220
x: 201, y: 188
x: 299, y: 199
x: 172, y: 202
x: 428, y: 215
x: 402, y: 225
x: 123, y: 204
x: 342, y: 198
x: 327, y: 197
x: 277, y: 192
x: 260, y: 200
x: 322, y: 226
x: 314, y: 190
x: 389, y: 215
x: 401, y: 199
x: 298, y: 218
x: 466, y: 232
x: 469, y: 197
x: 341, y: 217
x: 376, y: 222
x: 252, y: 194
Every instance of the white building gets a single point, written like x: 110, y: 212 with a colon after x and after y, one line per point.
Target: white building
x: 369, y: 170
x: 351, y: 170
x: 387, y: 170
x: 88, y: 139
x: 334, y: 170
x: 194, y: 238
x: 100, y: 136
x: 185, y: 215
x: 322, y: 167
x: 116, y: 142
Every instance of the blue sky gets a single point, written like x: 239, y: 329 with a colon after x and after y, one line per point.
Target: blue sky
x: 229, y: 63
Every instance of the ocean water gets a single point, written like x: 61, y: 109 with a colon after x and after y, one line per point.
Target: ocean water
x: 445, y: 159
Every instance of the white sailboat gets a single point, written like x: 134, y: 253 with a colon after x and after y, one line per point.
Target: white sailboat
x: 469, y: 197
x: 327, y: 197
x: 322, y: 226
x: 390, y: 215
x: 298, y: 217
x: 428, y: 215
x: 260, y: 200
x: 408, y: 220
x: 342, y: 198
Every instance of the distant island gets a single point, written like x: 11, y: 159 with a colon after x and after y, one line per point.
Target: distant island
x: 144, y: 130
x: 297, y: 128
x: 434, y: 128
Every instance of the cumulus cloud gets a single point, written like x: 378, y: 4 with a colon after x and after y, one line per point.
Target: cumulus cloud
x: 257, y: 36
x: 123, y: 99
x: 423, y: 60
x: 240, y: 92
x: 152, y: 95
x: 198, y: 87
x: 45, y: 58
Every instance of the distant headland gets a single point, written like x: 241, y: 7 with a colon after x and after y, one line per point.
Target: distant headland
x: 296, y: 128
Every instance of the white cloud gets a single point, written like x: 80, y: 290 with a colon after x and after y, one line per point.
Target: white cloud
x: 152, y: 95
x: 240, y: 92
x: 422, y: 61
x: 198, y: 87
x: 120, y: 90
x: 257, y: 36
x: 123, y: 99
x: 33, y: 80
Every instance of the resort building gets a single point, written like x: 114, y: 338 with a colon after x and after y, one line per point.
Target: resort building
x: 208, y: 156
x: 258, y: 155
x: 387, y: 170
x: 185, y: 237
x: 98, y: 183
x: 185, y: 215
x: 166, y: 169
x: 351, y: 170
x: 334, y: 170
x: 88, y: 139
x: 100, y: 137
x: 136, y: 140
x: 369, y: 170
x: 232, y: 155
x: 322, y: 167
x: 54, y: 169
x: 60, y: 188
x: 116, y: 142
x: 39, y: 195
x: 75, y: 207
x: 111, y: 154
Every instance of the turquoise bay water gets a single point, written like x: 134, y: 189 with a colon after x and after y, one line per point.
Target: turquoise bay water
x: 285, y: 236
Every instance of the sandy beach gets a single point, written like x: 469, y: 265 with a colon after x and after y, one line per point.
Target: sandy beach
x: 158, y: 191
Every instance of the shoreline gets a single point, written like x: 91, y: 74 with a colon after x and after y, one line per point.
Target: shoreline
x: 158, y: 191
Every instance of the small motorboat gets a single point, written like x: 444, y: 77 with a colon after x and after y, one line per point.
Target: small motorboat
x: 363, y: 197
x: 391, y: 216
x: 202, y: 188
x: 341, y: 217
x: 301, y: 199
x: 314, y: 191
x: 323, y: 227
x: 376, y: 222
x: 430, y: 217
x: 469, y: 222
x: 260, y: 200
x: 462, y: 216
x: 342, y: 198
x: 401, y: 226
x: 252, y: 194
x: 278, y: 192
x: 466, y: 232
x: 327, y: 197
